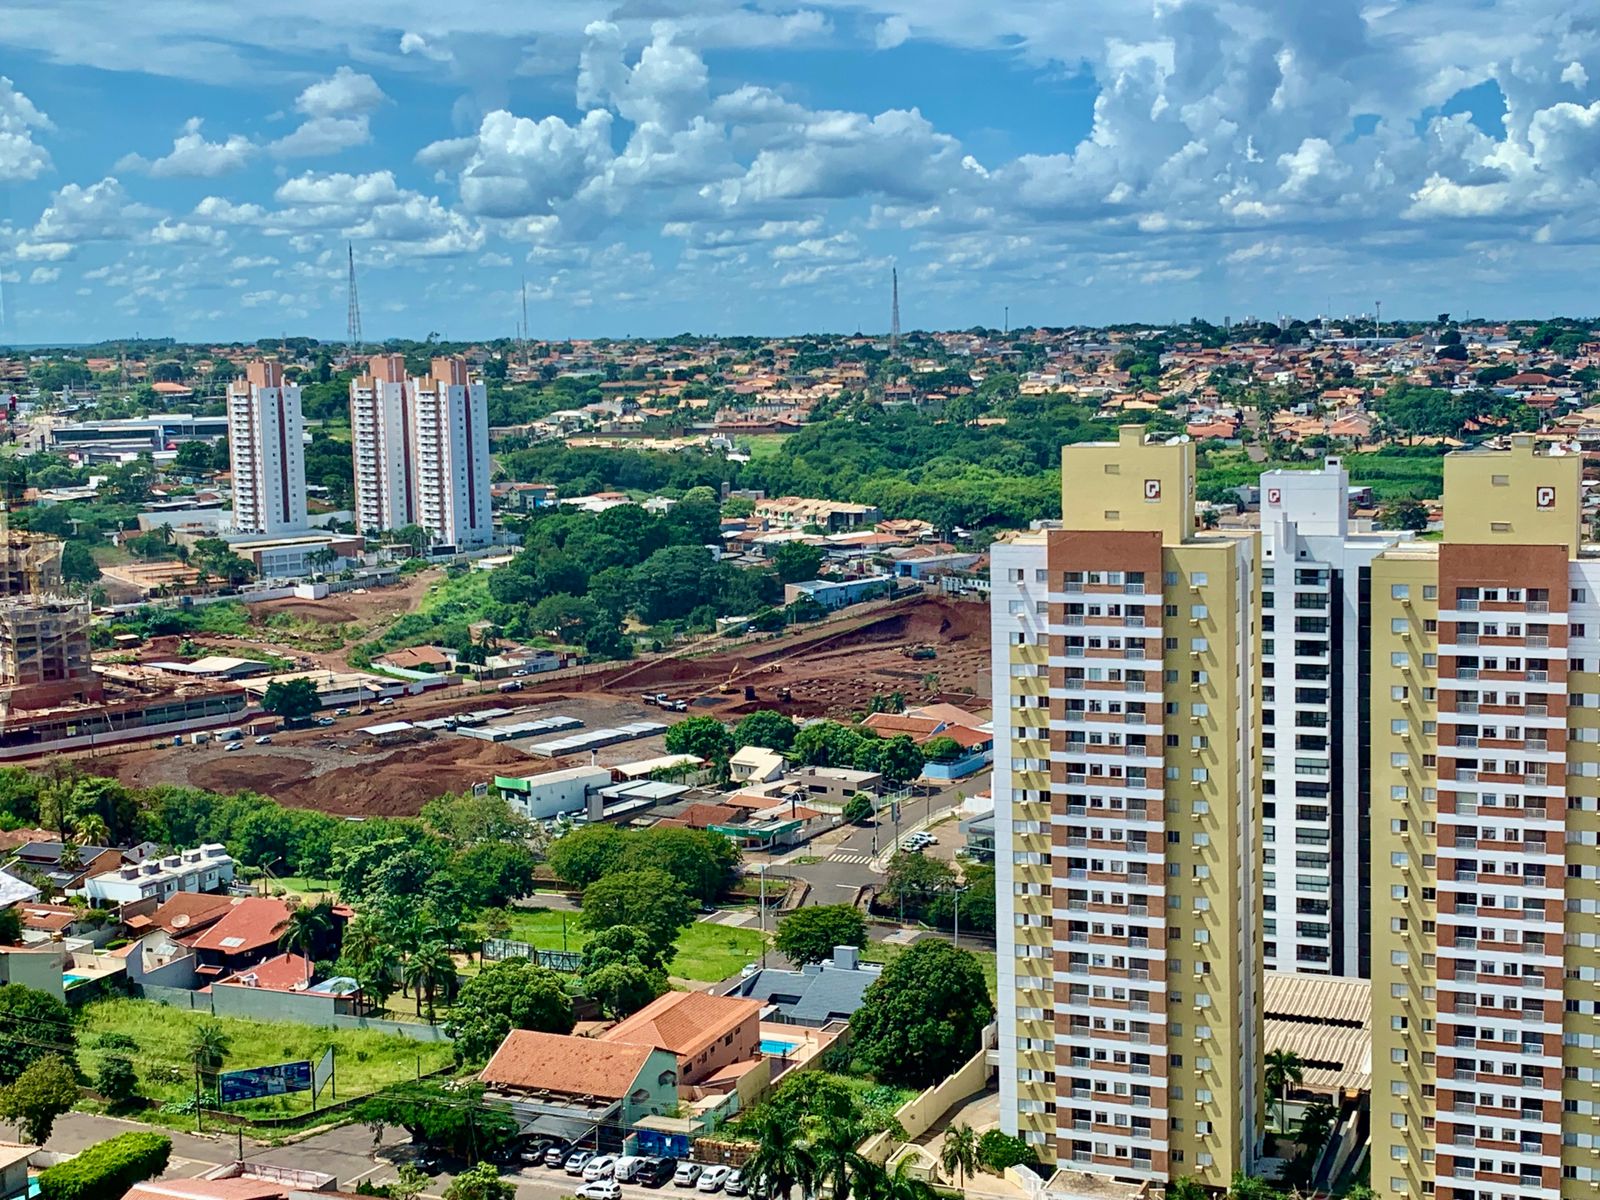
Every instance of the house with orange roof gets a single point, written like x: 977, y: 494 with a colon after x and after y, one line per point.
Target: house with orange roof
x: 706, y: 1033
x: 570, y: 1086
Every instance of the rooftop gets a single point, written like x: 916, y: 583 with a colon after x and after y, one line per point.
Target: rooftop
x: 685, y: 1022
x: 572, y: 1066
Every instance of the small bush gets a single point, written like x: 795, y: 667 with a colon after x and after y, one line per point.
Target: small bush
x: 112, y: 1040
x: 106, y: 1171
x: 998, y: 1151
x: 116, y: 1080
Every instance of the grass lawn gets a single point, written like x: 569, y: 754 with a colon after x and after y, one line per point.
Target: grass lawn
x: 301, y: 885
x: 882, y: 952
x: 706, y: 953
x: 364, y: 1061
x: 763, y: 445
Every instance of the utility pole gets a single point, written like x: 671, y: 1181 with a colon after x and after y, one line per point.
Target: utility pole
x: 761, y: 872
x: 1377, y: 319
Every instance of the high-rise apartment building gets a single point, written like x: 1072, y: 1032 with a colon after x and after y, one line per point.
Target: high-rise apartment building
x: 1316, y: 636
x: 421, y: 451
x: 267, y: 452
x: 1127, y: 824
x: 1486, y: 875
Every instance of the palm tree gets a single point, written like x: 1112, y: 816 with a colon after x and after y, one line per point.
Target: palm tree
x: 208, y: 1047
x: 899, y: 1184
x: 960, y: 1152
x: 304, y: 929
x: 835, y: 1142
x: 1285, y: 1069
x: 782, y: 1160
x: 376, y: 980
x: 429, y: 966
x: 90, y: 830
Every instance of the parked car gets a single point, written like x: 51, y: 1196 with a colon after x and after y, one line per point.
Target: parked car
x: 324, y: 721
x: 577, y: 1161
x: 234, y: 746
x: 387, y: 700
x: 627, y: 1167
x: 599, y: 1189
x: 341, y: 712
x: 532, y: 1152
x: 600, y: 1167
x: 687, y: 1174
x: 736, y: 1185
x: 656, y: 1172
x: 556, y: 1154
x: 264, y: 740
x: 712, y: 1178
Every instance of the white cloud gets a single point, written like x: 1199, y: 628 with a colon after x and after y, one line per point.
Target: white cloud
x: 337, y: 114
x: 44, y: 275
x: 194, y: 157
x: 100, y: 212
x: 891, y: 32
x: 21, y: 157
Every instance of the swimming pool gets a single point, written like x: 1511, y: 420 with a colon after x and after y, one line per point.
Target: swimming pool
x: 70, y: 980
x: 776, y: 1048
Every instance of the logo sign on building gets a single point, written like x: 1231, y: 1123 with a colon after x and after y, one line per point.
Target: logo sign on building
x: 1544, y: 497
x: 252, y: 1084
x: 1152, y: 489
x: 1274, y: 495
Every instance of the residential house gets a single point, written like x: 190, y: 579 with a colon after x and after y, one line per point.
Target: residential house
x: 243, y: 936
x: 755, y: 764
x: 208, y: 868
x: 63, y: 866
x: 707, y: 1033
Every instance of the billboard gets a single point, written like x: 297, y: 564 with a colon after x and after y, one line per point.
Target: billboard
x: 323, y: 1074
x: 252, y: 1084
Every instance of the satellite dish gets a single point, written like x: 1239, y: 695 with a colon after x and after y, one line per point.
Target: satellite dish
x: 181, y: 921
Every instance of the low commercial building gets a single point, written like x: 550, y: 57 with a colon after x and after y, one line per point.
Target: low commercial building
x: 551, y: 793
x: 570, y: 1087
x: 832, y: 787
x: 838, y: 593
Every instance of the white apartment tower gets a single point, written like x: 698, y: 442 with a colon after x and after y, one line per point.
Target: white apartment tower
x: 421, y: 450
x: 266, y: 445
x: 1316, y: 636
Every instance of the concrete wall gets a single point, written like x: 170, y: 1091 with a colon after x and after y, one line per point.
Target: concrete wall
x: 960, y: 769
x: 208, y: 1002
x: 38, y: 969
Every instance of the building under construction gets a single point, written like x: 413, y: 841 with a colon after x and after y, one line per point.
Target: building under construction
x: 51, y: 695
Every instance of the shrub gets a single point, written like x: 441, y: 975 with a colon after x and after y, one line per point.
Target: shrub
x: 106, y: 1171
x: 998, y: 1151
x: 116, y: 1080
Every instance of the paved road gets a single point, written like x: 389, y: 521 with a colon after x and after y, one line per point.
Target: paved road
x: 345, y: 1153
x: 848, y: 865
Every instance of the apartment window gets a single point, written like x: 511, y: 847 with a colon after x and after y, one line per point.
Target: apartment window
x: 1200, y: 579
x: 1580, y: 596
x: 1398, y: 624
x: 1399, y: 591
x: 1397, y: 658
x: 1113, y: 515
x: 1430, y: 592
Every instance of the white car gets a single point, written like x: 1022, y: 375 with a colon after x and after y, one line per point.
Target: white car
x: 712, y: 1178
x: 599, y: 1189
x: 234, y: 746
x: 264, y: 740
x: 599, y: 1168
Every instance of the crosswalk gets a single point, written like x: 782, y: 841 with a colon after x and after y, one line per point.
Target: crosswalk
x: 847, y: 856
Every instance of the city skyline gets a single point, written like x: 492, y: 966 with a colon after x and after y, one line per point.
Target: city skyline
x: 740, y: 169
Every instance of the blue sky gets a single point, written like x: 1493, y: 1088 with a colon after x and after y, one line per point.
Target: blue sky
x: 657, y: 166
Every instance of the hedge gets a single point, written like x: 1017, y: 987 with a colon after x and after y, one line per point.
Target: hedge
x: 107, y: 1170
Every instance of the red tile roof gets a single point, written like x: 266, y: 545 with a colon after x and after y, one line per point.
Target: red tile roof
x: 254, y: 922
x: 685, y: 1022
x: 285, y: 973
x: 189, y: 912
x: 570, y: 1066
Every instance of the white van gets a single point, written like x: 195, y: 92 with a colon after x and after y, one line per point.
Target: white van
x: 627, y: 1167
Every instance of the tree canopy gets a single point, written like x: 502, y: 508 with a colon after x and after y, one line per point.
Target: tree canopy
x: 923, y: 1015
x: 513, y: 993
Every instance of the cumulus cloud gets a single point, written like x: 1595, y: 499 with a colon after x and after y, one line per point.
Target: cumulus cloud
x: 194, y: 157
x: 101, y: 212
x: 337, y: 113
x: 21, y: 157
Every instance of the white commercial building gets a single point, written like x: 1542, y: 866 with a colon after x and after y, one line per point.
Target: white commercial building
x: 421, y: 452
x: 267, y: 452
x: 207, y: 869
x: 1316, y: 636
x: 551, y: 793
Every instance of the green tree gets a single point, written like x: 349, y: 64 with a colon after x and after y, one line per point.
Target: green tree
x: 915, y: 880
x: 826, y: 744
x: 481, y: 1182
x: 959, y: 1154
x: 900, y: 760
x: 797, y: 562
x: 454, y: 1118
x: 33, y: 1101
x: 924, y: 1014
x: 651, y: 900
x: 620, y: 944
x: 703, y: 737
x: 997, y: 1151
x: 208, y: 1049
x: 493, y: 874
x: 116, y: 1080
x: 463, y: 819
x: 33, y: 1024
x: 78, y: 564
x: 782, y: 1159
x: 307, y: 929
x: 672, y: 583
x: 1404, y: 514
x: 513, y: 993
x: 703, y: 861
x: 622, y: 989
x: 767, y: 728
x: 808, y: 935
x: 427, y: 968
x: 586, y: 854
x: 193, y: 458
x: 858, y: 809
x: 408, y: 1183
x: 1285, y: 1069
x: 942, y: 749
x: 291, y: 699
x: 10, y: 926
x: 1187, y: 1187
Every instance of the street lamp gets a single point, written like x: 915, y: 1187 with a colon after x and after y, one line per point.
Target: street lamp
x: 957, y: 889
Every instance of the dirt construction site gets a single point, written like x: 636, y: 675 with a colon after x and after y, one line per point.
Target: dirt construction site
x: 927, y: 649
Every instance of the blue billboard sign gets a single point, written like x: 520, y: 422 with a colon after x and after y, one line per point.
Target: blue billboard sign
x: 252, y: 1084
